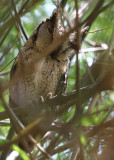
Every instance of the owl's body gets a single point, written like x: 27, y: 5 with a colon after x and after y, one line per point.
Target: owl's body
x: 46, y: 76
x: 45, y: 79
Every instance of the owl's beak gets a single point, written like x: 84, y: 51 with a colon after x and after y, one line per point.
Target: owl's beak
x: 83, y: 34
x: 84, y: 31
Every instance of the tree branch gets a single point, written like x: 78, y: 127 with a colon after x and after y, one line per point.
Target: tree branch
x: 4, y: 73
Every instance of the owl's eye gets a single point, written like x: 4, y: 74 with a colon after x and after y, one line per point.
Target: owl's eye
x: 50, y: 30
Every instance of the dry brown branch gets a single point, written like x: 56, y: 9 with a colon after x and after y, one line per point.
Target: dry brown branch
x: 94, y: 13
x: 77, y: 52
x: 86, y: 93
x: 108, y: 151
x: 89, y: 20
x: 93, y: 102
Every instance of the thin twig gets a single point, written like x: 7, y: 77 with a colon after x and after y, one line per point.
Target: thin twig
x: 92, y: 104
x: 68, y: 19
x: 76, y: 150
x: 88, y: 69
x: 4, y: 73
x: 85, y: 50
x: 12, y: 115
x: 41, y: 148
x: 5, y: 123
x: 100, y: 30
x: 89, y: 20
x: 7, y: 64
x: 20, y: 24
x: 5, y: 36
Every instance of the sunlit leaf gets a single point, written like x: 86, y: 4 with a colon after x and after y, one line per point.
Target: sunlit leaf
x: 23, y: 155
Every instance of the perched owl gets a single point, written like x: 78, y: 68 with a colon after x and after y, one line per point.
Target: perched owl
x: 51, y: 73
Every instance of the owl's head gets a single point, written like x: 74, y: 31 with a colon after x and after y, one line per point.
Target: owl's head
x: 47, y: 31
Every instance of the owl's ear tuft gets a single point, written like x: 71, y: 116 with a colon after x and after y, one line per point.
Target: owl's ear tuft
x: 43, y: 34
x: 53, y: 18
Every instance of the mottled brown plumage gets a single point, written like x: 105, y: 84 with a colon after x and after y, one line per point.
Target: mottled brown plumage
x: 51, y: 73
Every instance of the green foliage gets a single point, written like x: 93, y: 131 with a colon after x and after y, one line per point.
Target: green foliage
x: 21, y: 152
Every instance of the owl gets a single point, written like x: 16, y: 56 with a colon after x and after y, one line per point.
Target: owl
x: 48, y: 75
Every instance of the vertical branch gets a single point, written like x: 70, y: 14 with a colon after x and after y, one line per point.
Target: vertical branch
x: 77, y: 84
x: 77, y: 54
